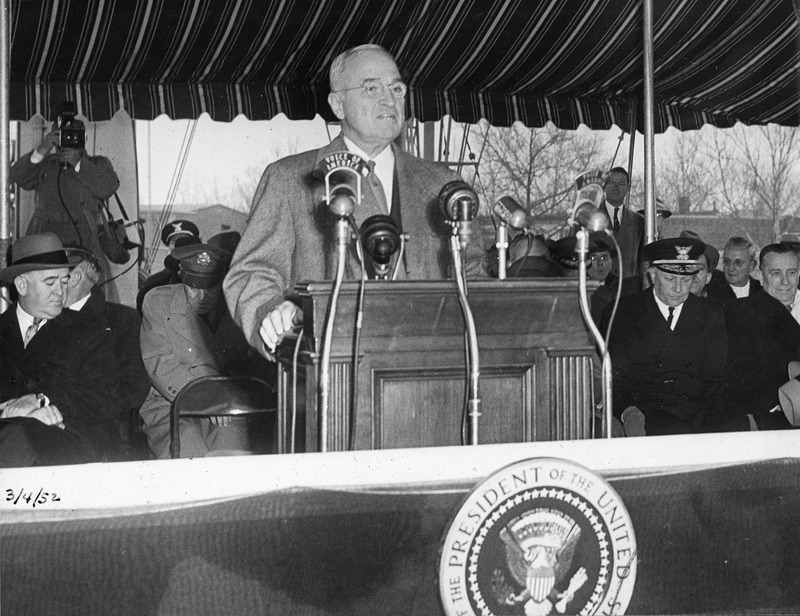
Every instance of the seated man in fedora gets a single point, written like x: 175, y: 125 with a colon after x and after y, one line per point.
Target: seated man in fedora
x: 187, y: 333
x: 58, y: 377
x: 668, y: 348
x: 763, y: 337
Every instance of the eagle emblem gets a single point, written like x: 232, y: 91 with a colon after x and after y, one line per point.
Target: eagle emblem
x: 683, y: 252
x: 539, y: 550
x: 203, y: 258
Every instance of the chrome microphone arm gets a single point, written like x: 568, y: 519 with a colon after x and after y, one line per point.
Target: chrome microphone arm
x: 472, y: 338
x: 502, y: 250
x: 323, y: 390
x: 582, y: 248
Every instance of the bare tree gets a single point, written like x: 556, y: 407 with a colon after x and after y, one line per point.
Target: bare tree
x: 685, y: 174
x: 535, y: 166
x: 756, y: 175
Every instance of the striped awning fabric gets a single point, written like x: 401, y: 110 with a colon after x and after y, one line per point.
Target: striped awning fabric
x: 570, y: 63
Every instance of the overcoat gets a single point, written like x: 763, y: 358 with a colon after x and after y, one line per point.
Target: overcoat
x: 675, y: 377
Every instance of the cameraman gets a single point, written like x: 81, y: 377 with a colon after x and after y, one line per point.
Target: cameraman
x: 70, y: 184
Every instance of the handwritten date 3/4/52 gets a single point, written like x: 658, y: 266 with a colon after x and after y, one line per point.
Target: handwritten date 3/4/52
x: 25, y: 497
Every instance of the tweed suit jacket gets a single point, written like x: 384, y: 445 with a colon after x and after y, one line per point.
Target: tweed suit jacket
x: 70, y: 360
x: 675, y: 377
x: 763, y: 338
x: 290, y: 235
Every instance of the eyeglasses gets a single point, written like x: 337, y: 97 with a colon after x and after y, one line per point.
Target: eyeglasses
x: 375, y: 88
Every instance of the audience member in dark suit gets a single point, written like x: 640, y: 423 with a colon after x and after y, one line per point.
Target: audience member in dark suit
x: 738, y: 261
x: 601, y: 253
x: 626, y: 224
x: 187, y: 333
x: 668, y: 349
x: 707, y: 264
x: 123, y: 323
x: 58, y: 377
x: 174, y: 235
x: 763, y: 337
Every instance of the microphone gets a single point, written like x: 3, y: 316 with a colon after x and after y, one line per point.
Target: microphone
x: 342, y: 172
x: 590, y: 195
x: 380, y: 238
x: 459, y: 203
x: 511, y: 213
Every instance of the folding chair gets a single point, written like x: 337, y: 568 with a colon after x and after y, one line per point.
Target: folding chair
x: 212, y: 396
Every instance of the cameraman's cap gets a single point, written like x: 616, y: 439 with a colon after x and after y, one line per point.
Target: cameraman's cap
x: 675, y: 255
x: 203, y: 266
x: 177, y: 228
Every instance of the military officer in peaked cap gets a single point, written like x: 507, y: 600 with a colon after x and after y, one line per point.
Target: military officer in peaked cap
x: 174, y: 235
x: 187, y: 332
x: 668, y: 348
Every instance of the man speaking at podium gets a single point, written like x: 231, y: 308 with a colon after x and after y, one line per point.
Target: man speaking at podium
x: 290, y: 234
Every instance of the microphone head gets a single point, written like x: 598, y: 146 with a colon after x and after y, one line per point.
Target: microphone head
x: 458, y: 201
x: 589, y: 217
x: 342, y: 172
x: 511, y: 212
x: 380, y: 238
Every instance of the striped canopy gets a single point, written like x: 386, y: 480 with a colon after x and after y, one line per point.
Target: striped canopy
x: 569, y: 62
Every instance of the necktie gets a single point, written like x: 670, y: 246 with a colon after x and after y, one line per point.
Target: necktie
x: 671, y: 314
x: 616, y: 219
x: 31, y: 331
x: 377, y: 186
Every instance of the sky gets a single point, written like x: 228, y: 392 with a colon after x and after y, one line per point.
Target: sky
x: 225, y: 159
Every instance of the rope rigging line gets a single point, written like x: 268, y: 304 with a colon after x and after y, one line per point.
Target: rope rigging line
x: 177, y: 175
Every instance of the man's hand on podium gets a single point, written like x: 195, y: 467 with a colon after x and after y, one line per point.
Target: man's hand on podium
x: 278, y: 323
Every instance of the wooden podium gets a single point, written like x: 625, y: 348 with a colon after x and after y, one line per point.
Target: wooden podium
x: 535, y: 364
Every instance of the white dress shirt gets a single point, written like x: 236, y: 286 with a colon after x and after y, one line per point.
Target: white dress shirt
x: 26, y: 320
x: 664, y: 309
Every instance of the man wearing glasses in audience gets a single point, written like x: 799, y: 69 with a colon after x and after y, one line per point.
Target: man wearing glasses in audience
x: 290, y: 235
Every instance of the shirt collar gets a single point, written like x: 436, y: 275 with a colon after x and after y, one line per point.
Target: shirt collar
x: 26, y: 320
x: 384, y: 160
x: 664, y: 309
x: 80, y: 303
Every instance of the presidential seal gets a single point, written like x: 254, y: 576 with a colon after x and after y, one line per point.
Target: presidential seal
x: 542, y: 536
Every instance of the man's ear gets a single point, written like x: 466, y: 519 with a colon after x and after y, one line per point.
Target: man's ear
x: 337, y: 106
x: 75, y: 277
x: 21, y: 284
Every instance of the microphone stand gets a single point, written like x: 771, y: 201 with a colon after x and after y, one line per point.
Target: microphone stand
x: 502, y: 247
x: 582, y: 248
x: 342, y: 237
x: 472, y: 337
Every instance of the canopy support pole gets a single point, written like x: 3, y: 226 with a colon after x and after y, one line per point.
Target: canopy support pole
x: 647, y: 113
x: 5, y: 205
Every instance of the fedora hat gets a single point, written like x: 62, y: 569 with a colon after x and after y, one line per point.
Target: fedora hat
x: 41, y: 251
x: 789, y: 395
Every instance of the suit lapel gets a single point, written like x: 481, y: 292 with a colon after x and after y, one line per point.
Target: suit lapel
x: 650, y: 319
x: 10, y: 336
